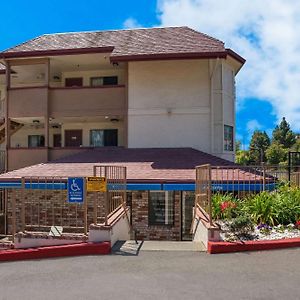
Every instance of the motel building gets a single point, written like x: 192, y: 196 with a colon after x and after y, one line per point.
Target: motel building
x: 139, y: 109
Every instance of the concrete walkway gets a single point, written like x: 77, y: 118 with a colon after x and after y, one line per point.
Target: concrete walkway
x: 171, y: 246
x: 130, y: 248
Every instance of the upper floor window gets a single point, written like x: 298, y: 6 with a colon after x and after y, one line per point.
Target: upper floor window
x: 228, y: 138
x: 105, y: 80
x: 36, y: 141
x: 161, y: 208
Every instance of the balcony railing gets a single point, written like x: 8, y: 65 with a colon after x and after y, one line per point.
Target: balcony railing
x: 87, y: 101
x: 27, y: 102
x: 67, y: 101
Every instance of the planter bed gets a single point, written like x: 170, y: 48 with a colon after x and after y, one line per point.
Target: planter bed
x: 263, y: 237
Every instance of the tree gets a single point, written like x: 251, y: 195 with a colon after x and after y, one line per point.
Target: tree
x: 259, y: 143
x: 283, y: 134
x: 242, y: 157
x: 276, y: 153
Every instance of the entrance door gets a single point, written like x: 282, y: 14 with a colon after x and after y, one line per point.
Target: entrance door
x: 73, y: 138
x: 187, y: 204
x: 57, y: 140
x: 69, y: 82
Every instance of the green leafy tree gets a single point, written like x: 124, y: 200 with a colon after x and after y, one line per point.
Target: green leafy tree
x: 276, y: 154
x: 242, y: 157
x: 283, y: 134
x: 259, y: 143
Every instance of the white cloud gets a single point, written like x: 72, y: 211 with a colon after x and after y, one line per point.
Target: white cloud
x: 131, y: 23
x: 253, y: 125
x: 266, y: 33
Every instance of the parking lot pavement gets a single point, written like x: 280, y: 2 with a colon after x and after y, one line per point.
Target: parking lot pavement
x: 156, y: 275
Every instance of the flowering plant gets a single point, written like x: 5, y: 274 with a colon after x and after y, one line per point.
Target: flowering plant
x: 297, y: 224
x: 264, y: 227
x: 227, y: 205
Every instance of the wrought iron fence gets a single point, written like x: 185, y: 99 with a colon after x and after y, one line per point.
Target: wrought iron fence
x: 115, y: 196
x: 240, y: 181
x: 41, y: 202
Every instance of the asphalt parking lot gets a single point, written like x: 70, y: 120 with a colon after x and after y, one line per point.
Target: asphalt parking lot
x: 156, y: 275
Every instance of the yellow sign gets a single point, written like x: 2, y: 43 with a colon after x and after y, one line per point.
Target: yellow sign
x: 96, y: 184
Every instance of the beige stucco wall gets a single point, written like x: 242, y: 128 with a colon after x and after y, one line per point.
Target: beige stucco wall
x: 223, y: 105
x: 183, y: 103
x: 169, y: 104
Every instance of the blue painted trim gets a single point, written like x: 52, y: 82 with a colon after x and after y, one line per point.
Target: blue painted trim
x: 179, y: 187
x: 230, y: 187
x: 144, y: 187
x: 253, y: 187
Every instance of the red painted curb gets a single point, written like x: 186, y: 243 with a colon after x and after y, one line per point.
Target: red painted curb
x: 227, y: 247
x: 56, y: 251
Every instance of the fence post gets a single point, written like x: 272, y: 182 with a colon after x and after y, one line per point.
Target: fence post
x: 85, y: 206
x: 106, y: 197
x: 95, y: 199
x: 209, y: 194
x: 13, y: 214
x: 23, y: 204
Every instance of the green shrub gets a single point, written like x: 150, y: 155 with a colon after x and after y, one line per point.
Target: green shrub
x: 287, y: 205
x: 261, y: 208
x: 242, y: 226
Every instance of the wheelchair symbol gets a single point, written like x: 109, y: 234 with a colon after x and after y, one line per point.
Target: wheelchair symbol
x: 74, y: 186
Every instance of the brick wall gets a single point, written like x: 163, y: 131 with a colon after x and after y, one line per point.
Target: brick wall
x: 140, y: 221
x: 47, y: 208
x: 51, y: 208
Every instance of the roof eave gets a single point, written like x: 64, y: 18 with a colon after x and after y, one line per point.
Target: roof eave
x: 167, y: 56
x: 236, y: 56
x: 56, y: 52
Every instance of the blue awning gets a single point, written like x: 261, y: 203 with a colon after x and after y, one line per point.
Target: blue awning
x: 225, y: 187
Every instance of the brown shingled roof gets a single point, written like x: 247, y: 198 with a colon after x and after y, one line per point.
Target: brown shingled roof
x: 151, y: 164
x: 131, y: 44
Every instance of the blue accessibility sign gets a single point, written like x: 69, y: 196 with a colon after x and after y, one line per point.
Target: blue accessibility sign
x: 75, y: 190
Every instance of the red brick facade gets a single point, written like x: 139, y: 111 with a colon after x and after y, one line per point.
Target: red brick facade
x: 51, y: 208
x: 140, y: 220
x: 47, y: 208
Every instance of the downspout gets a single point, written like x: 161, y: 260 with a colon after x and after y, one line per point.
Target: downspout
x: 212, y: 104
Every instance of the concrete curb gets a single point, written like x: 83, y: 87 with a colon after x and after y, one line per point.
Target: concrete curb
x: 228, y: 247
x: 56, y: 251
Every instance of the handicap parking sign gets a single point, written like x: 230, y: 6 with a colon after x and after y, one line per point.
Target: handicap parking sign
x: 75, y: 190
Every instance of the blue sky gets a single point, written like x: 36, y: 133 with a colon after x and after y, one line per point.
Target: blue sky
x: 267, y: 86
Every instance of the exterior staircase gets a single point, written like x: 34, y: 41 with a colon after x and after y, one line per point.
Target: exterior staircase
x: 14, y: 127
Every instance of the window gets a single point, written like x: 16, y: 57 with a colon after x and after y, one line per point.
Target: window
x: 102, y: 138
x: 106, y: 80
x: 36, y: 141
x: 228, y: 138
x: 161, y: 208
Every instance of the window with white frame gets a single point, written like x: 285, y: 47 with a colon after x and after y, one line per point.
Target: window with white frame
x: 161, y: 208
